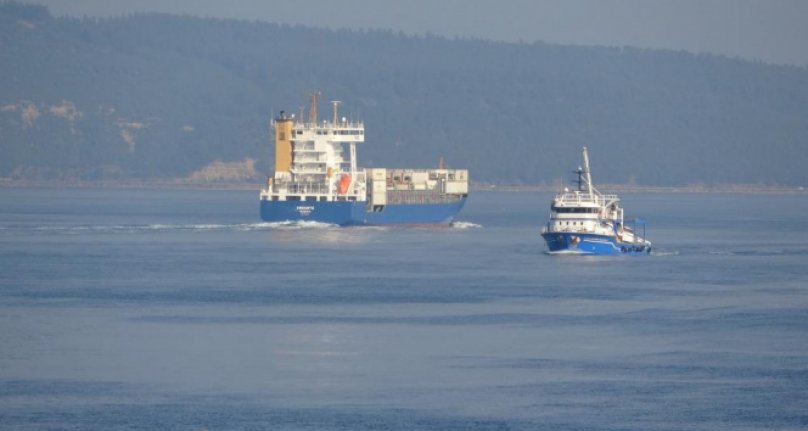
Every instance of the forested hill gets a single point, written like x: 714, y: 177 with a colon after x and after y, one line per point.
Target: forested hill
x: 161, y: 96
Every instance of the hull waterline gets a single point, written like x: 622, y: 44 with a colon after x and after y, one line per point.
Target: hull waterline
x: 583, y: 243
x: 346, y: 213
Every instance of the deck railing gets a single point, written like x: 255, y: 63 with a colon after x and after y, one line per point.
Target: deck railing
x: 584, y: 197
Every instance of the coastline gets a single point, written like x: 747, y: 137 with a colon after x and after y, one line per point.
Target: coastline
x: 637, y: 188
x: 131, y: 184
x: 474, y: 187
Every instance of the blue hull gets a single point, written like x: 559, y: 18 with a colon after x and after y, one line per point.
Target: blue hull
x: 586, y: 243
x: 347, y: 213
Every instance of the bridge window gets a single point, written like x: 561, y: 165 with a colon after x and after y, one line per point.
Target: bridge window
x: 575, y: 210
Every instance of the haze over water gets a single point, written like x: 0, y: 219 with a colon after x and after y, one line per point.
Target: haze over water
x: 179, y: 309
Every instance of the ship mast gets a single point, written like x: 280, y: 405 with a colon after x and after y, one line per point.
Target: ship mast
x: 587, y: 173
x: 335, y: 104
x: 352, y: 146
x: 313, y: 108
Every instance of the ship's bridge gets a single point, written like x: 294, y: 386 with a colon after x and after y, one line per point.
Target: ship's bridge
x: 581, y: 204
x: 339, y: 132
x: 583, y: 198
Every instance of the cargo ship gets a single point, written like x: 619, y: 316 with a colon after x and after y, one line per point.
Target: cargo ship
x: 585, y: 221
x: 316, y: 179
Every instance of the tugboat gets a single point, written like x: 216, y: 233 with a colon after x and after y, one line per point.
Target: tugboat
x: 585, y: 221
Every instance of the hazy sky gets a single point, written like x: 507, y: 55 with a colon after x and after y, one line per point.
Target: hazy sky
x: 774, y: 31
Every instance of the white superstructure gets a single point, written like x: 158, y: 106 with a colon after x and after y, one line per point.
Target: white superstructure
x: 316, y: 161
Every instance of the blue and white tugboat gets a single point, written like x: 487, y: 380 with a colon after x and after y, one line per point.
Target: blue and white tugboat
x: 585, y: 221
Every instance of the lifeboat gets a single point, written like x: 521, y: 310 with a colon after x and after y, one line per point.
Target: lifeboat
x: 344, y: 184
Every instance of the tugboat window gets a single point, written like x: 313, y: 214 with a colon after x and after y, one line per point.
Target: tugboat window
x: 574, y: 210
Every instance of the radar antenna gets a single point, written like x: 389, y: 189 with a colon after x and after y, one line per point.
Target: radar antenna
x: 580, y: 173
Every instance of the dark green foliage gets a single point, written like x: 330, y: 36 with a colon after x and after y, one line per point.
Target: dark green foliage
x: 189, y: 91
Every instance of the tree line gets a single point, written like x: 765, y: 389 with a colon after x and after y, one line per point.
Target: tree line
x: 163, y: 96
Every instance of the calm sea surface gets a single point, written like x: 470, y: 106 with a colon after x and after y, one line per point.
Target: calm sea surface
x: 179, y: 309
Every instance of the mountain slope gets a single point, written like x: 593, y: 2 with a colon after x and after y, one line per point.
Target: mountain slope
x: 152, y: 95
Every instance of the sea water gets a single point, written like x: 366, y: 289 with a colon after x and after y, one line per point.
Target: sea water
x: 180, y: 309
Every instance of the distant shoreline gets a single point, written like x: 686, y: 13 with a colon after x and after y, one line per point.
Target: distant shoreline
x: 636, y: 188
x: 474, y: 187
x: 130, y: 184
